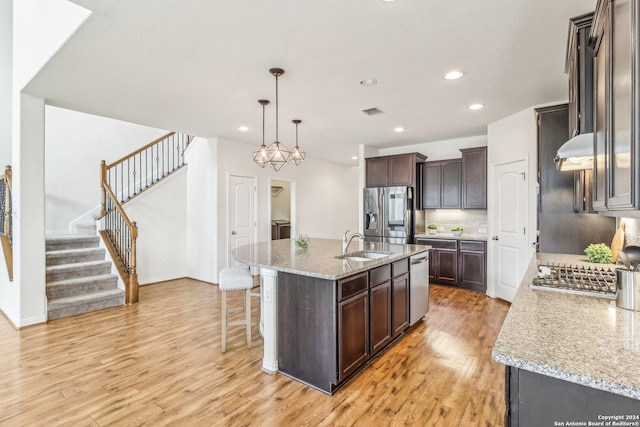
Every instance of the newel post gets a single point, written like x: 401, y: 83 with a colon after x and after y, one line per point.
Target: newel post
x: 132, y: 292
x: 103, y: 192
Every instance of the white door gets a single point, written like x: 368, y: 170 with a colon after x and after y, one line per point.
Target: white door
x: 241, y: 213
x: 509, y: 224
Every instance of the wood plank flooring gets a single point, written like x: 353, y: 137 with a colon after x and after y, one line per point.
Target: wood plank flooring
x: 159, y: 363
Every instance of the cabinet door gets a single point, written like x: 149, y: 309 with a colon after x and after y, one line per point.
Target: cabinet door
x: 431, y: 185
x: 377, y: 173
x: 353, y: 333
x: 451, y: 184
x: 622, y: 153
x: 380, y: 316
x: 601, y: 136
x: 472, y: 270
x: 474, y: 178
x: 400, y: 301
x: 402, y: 171
x: 447, y: 260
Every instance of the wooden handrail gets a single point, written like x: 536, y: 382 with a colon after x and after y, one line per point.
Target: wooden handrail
x: 139, y: 150
x: 118, y: 206
x: 5, y: 238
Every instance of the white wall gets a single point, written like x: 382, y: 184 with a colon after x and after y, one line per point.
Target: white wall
x: 161, y: 216
x: 513, y: 137
x: 75, y: 143
x: 202, y: 205
x: 438, y: 150
x: 327, y: 194
x: 40, y: 28
x: 6, y: 79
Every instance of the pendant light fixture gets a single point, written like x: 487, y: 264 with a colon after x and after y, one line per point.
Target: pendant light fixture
x: 277, y: 154
x: 297, y: 155
x: 260, y: 156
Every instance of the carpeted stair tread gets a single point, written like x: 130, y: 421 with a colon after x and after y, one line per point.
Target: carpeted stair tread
x: 78, y: 269
x: 68, y: 241
x: 71, y: 306
x: 80, y: 285
x: 68, y: 256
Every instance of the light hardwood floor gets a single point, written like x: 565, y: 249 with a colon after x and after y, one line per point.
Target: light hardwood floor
x: 159, y: 363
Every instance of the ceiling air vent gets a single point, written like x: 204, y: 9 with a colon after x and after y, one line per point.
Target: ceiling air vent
x: 372, y: 111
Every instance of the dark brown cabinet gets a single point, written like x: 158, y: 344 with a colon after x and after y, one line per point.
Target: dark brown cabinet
x: 380, y: 300
x: 617, y: 96
x: 579, y: 67
x: 456, y: 183
x: 388, y: 171
x: 442, y: 184
x: 474, y: 178
x: 400, y: 299
x: 472, y: 266
x: 353, y: 324
x: 457, y: 263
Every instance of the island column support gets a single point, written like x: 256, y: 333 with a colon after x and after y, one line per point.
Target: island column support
x: 269, y: 282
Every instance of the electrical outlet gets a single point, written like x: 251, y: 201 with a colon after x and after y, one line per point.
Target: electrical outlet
x: 482, y: 230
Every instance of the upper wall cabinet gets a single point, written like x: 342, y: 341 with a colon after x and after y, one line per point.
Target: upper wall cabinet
x: 474, y: 178
x: 389, y: 171
x: 579, y: 67
x: 616, y: 107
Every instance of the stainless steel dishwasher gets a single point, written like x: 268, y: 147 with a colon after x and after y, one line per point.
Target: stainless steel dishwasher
x: 419, y: 287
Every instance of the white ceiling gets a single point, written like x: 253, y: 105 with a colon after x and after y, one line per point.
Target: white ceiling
x: 200, y: 66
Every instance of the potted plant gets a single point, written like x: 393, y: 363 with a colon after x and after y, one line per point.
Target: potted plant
x: 599, y: 253
x: 433, y: 228
x: 457, y: 231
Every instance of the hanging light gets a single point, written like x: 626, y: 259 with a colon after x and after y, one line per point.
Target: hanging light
x: 297, y: 155
x: 260, y: 156
x: 278, y: 155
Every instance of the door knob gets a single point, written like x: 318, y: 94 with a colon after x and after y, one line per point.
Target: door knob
x: 233, y: 233
x: 494, y: 238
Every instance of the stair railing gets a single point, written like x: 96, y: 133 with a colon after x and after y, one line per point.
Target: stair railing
x: 6, y: 237
x: 120, y: 182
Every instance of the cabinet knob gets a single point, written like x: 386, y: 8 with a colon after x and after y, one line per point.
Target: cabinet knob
x: 233, y: 233
x: 494, y: 238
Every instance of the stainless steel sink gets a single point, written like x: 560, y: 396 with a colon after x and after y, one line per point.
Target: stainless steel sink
x: 364, y: 256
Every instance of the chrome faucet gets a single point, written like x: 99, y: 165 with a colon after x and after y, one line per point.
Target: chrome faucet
x: 347, y: 240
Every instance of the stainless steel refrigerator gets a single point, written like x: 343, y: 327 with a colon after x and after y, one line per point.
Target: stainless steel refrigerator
x: 388, y: 214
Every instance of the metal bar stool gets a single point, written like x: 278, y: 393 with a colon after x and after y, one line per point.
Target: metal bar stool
x: 231, y: 279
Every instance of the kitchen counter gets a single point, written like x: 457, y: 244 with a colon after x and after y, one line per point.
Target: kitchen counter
x: 318, y: 260
x: 580, y: 339
x: 482, y: 237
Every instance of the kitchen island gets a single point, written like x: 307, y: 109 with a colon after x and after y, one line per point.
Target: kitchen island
x: 316, y: 305
x: 569, y: 357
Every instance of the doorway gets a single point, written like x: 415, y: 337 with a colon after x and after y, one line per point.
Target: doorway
x: 282, y: 209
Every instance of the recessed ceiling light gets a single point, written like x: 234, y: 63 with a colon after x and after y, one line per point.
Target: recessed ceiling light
x: 368, y: 82
x: 399, y: 129
x: 453, y: 75
x: 243, y: 128
x: 475, y: 106
x: 354, y: 158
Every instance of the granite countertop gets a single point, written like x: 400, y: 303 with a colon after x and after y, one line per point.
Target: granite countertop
x: 318, y: 260
x: 582, y: 339
x: 464, y: 236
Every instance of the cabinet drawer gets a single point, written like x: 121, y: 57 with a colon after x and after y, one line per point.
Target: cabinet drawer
x: 400, y: 267
x: 440, y: 244
x: 467, y: 245
x: 352, y: 285
x: 380, y: 275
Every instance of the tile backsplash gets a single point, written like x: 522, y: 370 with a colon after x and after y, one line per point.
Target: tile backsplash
x: 473, y: 222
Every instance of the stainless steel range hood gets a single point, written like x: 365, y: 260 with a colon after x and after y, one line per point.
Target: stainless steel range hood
x: 576, y: 153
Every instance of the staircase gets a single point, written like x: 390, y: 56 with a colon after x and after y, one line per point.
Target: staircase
x: 79, y: 280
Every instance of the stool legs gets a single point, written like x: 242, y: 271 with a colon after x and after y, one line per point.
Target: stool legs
x: 246, y: 322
